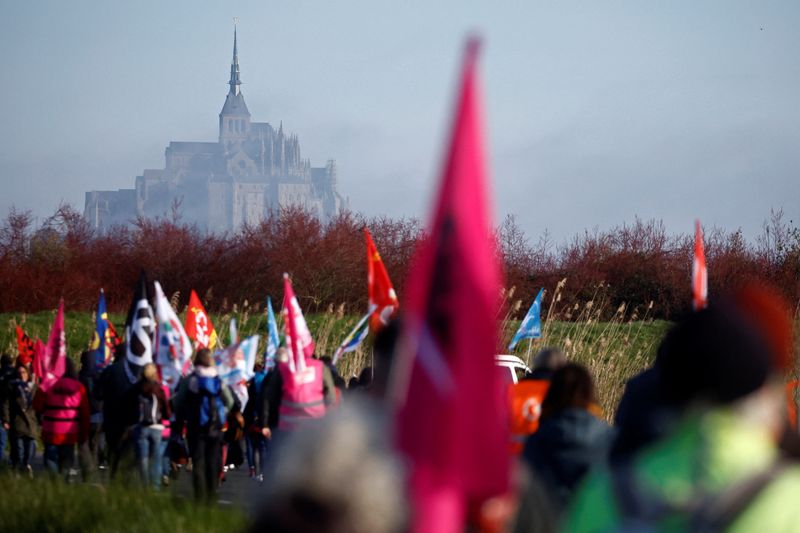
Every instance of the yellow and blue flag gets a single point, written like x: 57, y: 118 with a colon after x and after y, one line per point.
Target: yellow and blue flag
x: 105, y: 337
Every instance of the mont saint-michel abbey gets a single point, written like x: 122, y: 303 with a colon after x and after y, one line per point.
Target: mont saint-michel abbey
x: 222, y: 185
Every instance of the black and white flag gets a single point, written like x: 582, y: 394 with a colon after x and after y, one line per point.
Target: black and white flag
x: 140, y: 326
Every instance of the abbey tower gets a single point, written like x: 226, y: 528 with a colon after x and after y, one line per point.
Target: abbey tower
x: 220, y: 186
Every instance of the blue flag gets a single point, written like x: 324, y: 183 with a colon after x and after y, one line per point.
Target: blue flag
x: 272, y: 337
x: 531, y: 327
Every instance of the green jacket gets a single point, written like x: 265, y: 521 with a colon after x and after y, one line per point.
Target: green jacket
x: 705, y: 455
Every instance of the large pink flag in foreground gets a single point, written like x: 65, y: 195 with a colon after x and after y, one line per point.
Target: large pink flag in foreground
x: 451, y: 413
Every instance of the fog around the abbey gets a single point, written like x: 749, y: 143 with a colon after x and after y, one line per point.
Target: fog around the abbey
x: 596, y: 112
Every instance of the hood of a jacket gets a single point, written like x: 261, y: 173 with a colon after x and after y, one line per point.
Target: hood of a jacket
x: 573, y: 427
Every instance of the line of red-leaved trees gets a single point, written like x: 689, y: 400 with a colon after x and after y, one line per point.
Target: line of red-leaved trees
x: 637, y: 263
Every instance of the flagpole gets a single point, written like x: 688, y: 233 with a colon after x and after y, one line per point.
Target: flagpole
x: 528, y: 355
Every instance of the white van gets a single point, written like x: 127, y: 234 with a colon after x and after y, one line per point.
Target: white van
x: 511, y: 367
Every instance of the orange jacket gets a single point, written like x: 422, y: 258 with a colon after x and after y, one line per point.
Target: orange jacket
x: 525, y: 407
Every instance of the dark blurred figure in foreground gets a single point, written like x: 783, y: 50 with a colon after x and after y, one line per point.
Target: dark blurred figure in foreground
x: 719, y: 467
x: 526, y: 397
x: 643, y: 415
x: 571, y: 437
x: 336, y: 475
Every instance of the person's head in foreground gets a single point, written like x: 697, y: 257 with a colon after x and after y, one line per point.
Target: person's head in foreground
x: 335, y: 475
x: 719, y: 468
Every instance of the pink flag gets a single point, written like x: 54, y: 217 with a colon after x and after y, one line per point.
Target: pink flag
x: 298, y: 339
x: 451, y: 409
x: 55, y: 353
x: 699, y: 272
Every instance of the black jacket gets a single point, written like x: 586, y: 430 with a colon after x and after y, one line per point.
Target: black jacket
x: 17, y: 409
x: 564, y: 448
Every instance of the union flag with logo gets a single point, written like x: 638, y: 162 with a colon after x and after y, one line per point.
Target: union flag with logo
x: 382, y: 298
x: 198, y: 326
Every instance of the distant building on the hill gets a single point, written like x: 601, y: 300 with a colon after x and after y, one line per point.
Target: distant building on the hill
x: 223, y: 185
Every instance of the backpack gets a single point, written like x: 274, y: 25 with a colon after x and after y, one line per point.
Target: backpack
x: 643, y: 511
x: 149, y: 409
x: 212, y: 413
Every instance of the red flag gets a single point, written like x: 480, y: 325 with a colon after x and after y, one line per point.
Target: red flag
x: 198, y: 326
x: 382, y: 298
x: 38, y: 359
x: 451, y: 409
x: 24, y: 347
x: 699, y: 272
x: 55, y: 352
x: 298, y: 338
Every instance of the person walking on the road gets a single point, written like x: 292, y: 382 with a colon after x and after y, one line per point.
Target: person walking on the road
x: 255, y: 421
x: 88, y: 376
x: 202, y: 403
x: 64, y: 410
x: 147, y: 407
x: 6, y: 376
x: 19, y: 418
x: 572, y: 437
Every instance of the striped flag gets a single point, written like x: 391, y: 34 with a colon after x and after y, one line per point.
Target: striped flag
x: 354, y: 338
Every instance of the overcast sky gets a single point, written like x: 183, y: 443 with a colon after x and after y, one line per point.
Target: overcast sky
x: 597, y: 111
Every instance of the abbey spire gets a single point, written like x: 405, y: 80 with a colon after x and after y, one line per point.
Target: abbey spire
x: 234, y: 119
x: 236, y: 80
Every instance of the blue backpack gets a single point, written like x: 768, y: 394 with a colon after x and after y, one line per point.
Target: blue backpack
x: 212, y: 408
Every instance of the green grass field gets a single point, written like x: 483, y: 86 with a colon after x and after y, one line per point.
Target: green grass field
x: 614, y: 350
x: 53, y: 506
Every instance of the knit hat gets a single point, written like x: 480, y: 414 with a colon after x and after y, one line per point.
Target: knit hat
x: 715, y: 355
x: 770, y: 313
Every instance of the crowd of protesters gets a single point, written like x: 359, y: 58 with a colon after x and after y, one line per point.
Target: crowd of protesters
x: 701, y: 440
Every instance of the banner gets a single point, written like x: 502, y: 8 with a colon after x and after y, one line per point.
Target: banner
x: 174, y: 352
